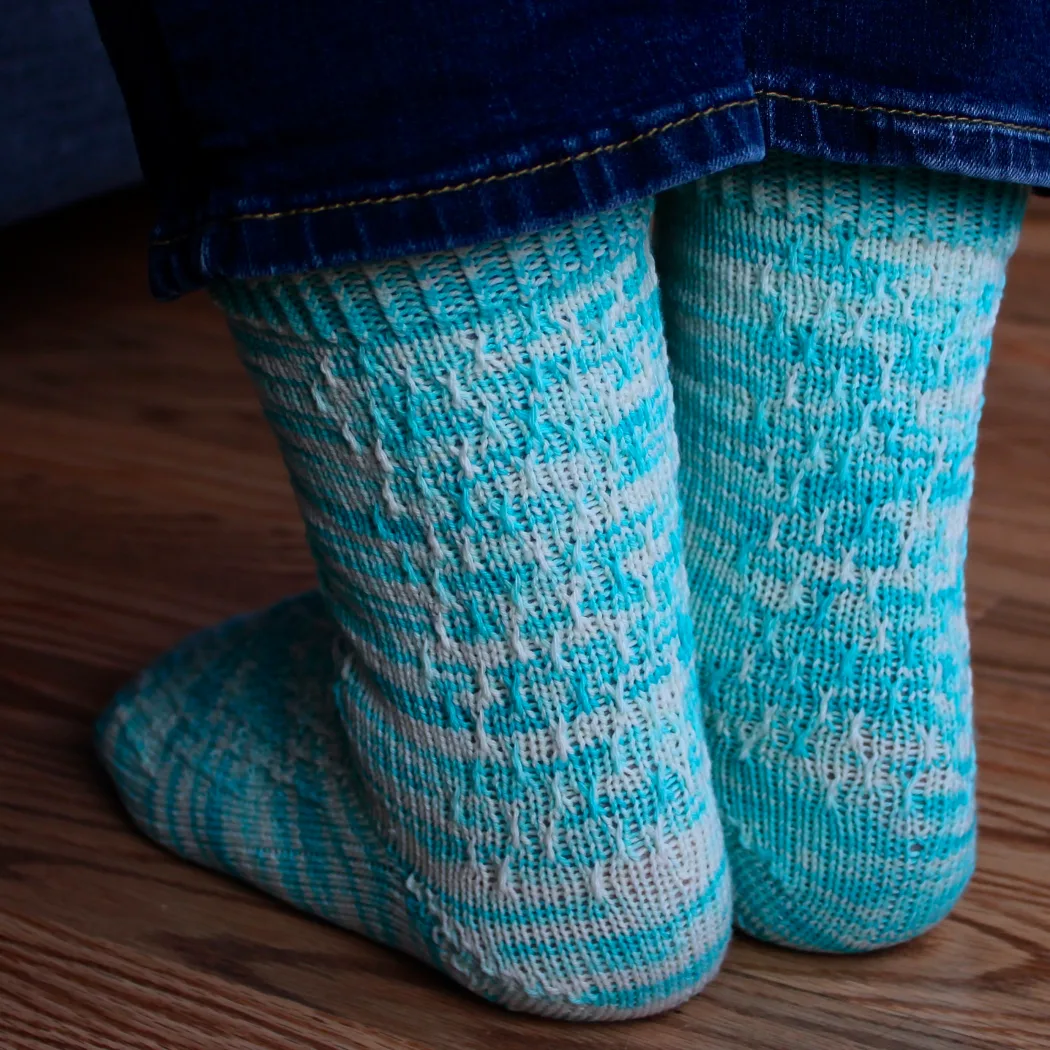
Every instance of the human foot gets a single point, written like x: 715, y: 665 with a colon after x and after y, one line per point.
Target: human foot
x: 829, y: 328
x: 515, y: 785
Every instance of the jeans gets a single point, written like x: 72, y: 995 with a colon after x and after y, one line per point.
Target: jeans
x: 281, y: 137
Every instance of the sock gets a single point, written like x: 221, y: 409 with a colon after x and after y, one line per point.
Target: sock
x: 487, y: 752
x: 829, y: 329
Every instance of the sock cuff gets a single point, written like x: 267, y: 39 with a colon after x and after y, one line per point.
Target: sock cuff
x: 440, y: 291
x: 871, y: 202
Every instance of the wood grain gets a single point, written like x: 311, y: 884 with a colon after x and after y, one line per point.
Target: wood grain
x: 63, y: 988
x: 141, y: 497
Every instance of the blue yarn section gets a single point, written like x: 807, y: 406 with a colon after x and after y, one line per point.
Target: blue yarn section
x: 483, y: 743
x: 829, y: 329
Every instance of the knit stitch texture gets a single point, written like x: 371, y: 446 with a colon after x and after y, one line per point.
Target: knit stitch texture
x: 488, y: 750
x: 829, y: 329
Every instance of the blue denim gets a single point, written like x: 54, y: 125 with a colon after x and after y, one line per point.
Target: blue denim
x: 281, y: 137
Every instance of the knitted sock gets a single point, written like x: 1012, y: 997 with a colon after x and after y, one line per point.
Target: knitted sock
x: 500, y: 767
x: 829, y: 329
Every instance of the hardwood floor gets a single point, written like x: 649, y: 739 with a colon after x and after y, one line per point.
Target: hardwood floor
x: 141, y: 497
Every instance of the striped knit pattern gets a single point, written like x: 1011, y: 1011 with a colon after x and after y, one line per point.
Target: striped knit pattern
x: 489, y: 753
x: 829, y: 329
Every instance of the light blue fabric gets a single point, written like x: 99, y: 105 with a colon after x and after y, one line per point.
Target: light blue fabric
x: 485, y: 747
x: 828, y: 329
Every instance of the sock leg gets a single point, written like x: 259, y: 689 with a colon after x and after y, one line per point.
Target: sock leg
x: 483, y: 450
x: 829, y: 329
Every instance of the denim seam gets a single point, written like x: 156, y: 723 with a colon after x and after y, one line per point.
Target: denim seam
x: 954, y: 118
x: 612, y: 147
x: 483, y: 180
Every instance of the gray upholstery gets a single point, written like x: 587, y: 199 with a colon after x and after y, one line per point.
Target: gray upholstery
x: 64, y: 134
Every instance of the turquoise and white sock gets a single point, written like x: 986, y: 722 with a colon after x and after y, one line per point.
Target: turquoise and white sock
x: 488, y: 751
x: 829, y: 328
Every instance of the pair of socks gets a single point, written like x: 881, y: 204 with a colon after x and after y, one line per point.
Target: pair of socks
x: 485, y: 740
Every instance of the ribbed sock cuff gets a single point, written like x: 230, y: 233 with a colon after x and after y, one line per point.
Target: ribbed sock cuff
x: 872, y: 202
x: 440, y: 292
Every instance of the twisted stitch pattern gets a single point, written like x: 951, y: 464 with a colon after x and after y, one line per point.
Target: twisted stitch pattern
x: 488, y: 750
x: 829, y: 329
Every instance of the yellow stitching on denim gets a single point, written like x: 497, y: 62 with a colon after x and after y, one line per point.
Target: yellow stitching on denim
x: 612, y: 147
x: 485, y: 180
x: 953, y: 117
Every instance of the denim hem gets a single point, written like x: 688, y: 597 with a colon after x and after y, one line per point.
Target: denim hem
x: 674, y: 147
x: 651, y: 155
x: 905, y: 132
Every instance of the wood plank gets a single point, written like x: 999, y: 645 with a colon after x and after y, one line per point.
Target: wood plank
x: 141, y: 498
x: 61, y: 988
